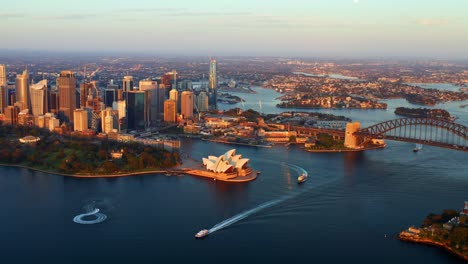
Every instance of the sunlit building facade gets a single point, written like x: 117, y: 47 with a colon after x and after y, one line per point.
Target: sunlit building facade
x: 39, y: 98
x: 81, y: 120
x: 186, y: 104
x: 67, y: 95
x: 22, y: 91
x: 170, y: 113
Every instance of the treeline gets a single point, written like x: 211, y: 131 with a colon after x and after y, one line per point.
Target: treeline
x: 422, y: 112
x: 65, y: 154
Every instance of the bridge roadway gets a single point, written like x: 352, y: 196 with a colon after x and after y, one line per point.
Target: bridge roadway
x: 428, y: 142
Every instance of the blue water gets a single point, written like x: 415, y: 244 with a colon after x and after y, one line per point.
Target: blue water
x: 348, y: 211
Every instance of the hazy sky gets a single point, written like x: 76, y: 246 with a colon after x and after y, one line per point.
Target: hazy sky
x: 428, y: 28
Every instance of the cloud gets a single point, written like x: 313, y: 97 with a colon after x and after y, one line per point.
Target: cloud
x: 73, y: 17
x: 11, y: 15
x: 182, y: 12
x: 432, y: 22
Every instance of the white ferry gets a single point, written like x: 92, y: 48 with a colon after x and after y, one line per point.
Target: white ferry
x: 202, y: 233
x: 302, y: 178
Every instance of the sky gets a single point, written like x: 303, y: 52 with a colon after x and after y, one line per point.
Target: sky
x: 309, y: 28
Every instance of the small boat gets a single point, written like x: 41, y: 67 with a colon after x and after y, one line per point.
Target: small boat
x: 202, y: 233
x: 302, y: 178
x: 417, y: 148
x: 258, y: 172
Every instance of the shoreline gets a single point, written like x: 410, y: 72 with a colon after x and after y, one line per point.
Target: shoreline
x: 343, y: 150
x: 432, y: 243
x: 236, y: 143
x: 178, y: 170
x: 136, y: 173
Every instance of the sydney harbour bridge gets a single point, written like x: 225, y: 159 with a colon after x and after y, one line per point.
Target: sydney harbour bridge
x: 428, y: 131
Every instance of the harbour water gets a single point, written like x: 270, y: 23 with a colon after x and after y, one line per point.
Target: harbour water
x: 349, y: 210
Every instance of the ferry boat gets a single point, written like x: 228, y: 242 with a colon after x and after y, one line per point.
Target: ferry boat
x: 302, y: 178
x: 202, y: 233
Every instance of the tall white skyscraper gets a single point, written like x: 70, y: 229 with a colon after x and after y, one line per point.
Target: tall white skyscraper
x: 39, y: 98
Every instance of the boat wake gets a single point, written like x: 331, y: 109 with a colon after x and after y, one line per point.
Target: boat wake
x: 243, y: 215
x: 90, y: 211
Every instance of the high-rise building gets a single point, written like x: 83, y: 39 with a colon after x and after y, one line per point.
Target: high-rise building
x: 202, y: 102
x: 109, y: 120
x: 85, y: 88
x: 81, y: 119
x: 22, y: 91
x: 11, y: 114
x: 120, y: 106
x: 168, y: 80
x: 3, y: 77
x: 3, y: 88
x: 186, y: 104
x: 67, y: 95
x: 213, y: 84
x: 39, y: 98
x: 110, y: 96
x: 170, y: 113
x: 54, y: 102
x: 152, y: 87
x: 137, y: 110
x: 3, y: 98
x: 127, y: 84
x: 174, y: 95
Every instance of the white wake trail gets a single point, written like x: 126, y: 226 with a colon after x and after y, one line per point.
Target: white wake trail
x: 239, y: 217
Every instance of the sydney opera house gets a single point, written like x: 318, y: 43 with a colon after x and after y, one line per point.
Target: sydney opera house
x: 228, y: 167
x: 229, y: 162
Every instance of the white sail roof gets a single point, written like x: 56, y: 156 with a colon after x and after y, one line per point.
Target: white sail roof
x: 226, y: 162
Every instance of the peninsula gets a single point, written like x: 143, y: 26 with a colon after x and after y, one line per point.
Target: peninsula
x: 448, y: 230
x: 423, y: 112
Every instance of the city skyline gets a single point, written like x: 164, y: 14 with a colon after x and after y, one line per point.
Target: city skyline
x: 355, y: 28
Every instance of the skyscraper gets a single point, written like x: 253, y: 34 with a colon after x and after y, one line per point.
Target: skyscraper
x: 168, y: 80
x: 22, y: 91
x: 213, y: 84
x: 67, y: 95
x: 137, y: 110
x: 110, y: 96
x: 127, y: 84
x: 81, y: 119
x: 152, y: 87
x: 170, y: 112
x: 39, y: 98
x: 174, y: 95
x: 3, y: 88
x: 186, y: 104
x: 3, y: 78
x: 202, y: 102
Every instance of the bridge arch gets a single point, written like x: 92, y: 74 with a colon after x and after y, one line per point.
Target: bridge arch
x: 429, y: 131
